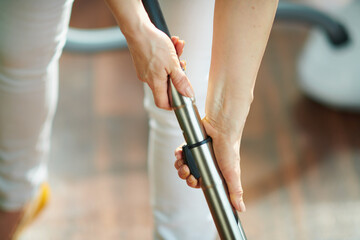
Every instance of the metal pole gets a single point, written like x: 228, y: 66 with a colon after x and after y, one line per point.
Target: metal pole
x: 211, y: 180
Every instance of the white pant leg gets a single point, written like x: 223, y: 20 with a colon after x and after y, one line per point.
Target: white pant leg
x: 179, y: 211
x: 32, y: 34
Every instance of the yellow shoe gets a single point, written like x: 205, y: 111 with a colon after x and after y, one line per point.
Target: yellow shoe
x: 32, y: 209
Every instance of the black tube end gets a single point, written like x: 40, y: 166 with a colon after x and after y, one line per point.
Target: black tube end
x: 339, y: 37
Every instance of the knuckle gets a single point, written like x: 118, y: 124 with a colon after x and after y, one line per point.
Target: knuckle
x: 178, y: 76
x: 238, y: 193
x: 158, y: 103
x: 182, y: 80
x: 190, y: 182
x: 176, y: 164
x: 183, y: 172
x: 180, y: 174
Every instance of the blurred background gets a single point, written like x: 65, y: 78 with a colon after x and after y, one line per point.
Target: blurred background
x: 300, y: 157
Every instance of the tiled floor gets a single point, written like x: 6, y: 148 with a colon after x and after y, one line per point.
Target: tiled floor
x: 300, y: 160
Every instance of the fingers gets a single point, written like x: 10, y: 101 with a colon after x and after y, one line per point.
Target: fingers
x: 184, y: 171
x: 181, y: 82
x: 179, y: 45
x: 156, y: 60
x: 232, y: 178
x: 178, y: 153
x: 177, y: 75
x: 160, y: 93
x: 178, y: 163
x: 174, y: 39
x: 192, y: 182
x: 160, y: 88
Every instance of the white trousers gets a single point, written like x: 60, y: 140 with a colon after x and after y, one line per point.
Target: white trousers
x: 32, y: 34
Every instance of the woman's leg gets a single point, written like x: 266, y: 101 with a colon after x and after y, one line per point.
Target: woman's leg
x: 32, y: 34
x: 179, y: 211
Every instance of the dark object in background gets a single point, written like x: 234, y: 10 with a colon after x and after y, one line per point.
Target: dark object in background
x: 105, y: 39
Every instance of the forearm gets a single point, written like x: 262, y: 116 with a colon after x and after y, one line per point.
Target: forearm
x: 130, y: 16
x: 241, y: 31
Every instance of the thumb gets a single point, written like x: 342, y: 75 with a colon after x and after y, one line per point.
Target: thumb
x: 181, y: 82
x: 227, y: 155
x: 232, y: 178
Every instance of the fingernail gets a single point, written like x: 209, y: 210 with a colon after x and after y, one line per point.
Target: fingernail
x: 183, y: 65
x: 241, y: 205
x: 189, y: 92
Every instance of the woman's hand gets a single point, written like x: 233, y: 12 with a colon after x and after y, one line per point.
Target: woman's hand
x: 183, y: 169
x: 155, y: 57
x: 226, y: 146
x: 239, y: 42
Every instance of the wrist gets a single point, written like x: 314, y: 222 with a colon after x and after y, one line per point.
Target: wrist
x: 219, y: 129
x: 228, y: 104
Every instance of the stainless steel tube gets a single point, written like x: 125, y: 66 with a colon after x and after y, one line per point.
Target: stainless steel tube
x: 211, y: 180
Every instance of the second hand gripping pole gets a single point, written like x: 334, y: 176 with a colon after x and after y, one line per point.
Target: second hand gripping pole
x: 199, y: 152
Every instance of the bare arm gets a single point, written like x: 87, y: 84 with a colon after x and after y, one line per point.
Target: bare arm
x: 153, y: 53
x: 241, y: 31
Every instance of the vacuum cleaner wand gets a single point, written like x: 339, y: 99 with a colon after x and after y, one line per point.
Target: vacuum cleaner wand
x: 211, y: 179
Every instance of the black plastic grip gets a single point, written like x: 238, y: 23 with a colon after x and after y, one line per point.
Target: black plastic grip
x: 189, y: 159
x: 153, y: 9
x: 190, y: 162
